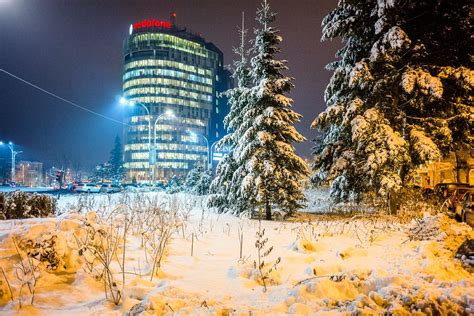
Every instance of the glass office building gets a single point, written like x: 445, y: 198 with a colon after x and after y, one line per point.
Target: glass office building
x: 170, y: 69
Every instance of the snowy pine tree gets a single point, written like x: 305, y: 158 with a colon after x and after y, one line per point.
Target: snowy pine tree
x: 269, y: 171
x: 198, y: 180
x: 225, y: 187
x: 116, y: 170
x: 174, y: 185
x: 400, y: 94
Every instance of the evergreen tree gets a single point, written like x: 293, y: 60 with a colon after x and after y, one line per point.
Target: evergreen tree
x: 116, y: 170
x: 225, y: 187
x: 270, y: 172
x: 175, y: 185
x: 400, y: 94
x: 198, y: 180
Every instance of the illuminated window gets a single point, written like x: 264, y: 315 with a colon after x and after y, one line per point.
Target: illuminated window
x: 161, y: 72
x: 149, y: 40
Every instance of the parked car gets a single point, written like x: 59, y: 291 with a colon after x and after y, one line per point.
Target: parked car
x: 445, y: 190
x: 110, y: 188
x: 451, y: 193
x: 464, y: 208
x: 88, y: 187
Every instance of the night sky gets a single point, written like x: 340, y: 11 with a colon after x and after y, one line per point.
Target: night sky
x: 74, y: 49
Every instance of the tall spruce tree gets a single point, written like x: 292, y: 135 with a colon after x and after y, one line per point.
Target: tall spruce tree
x: 116, y: 170
x: 226, y: 184
x: 269, y: 170
x: 400, y: 94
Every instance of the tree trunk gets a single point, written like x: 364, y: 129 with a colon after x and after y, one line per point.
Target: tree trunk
x: 268, y: 210
x: 458, y: 166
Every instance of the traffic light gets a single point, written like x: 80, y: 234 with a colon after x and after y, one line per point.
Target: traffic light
x: 59, y: 179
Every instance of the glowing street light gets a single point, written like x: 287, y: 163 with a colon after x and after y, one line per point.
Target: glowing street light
x: 14, y: 153
x: 209, y: 148
x: 125, y: 102
x: 169, y: 114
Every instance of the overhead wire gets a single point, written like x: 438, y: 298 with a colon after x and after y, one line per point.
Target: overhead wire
x: 61, y: 98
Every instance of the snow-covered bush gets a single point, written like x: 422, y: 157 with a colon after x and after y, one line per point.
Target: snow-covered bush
x: 198, y: 181
x: 19, y: 204
x: 175, y: 185
x: 43, y: 251
x: 98, y: 247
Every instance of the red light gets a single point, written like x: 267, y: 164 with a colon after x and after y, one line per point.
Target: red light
x: 151, y: 23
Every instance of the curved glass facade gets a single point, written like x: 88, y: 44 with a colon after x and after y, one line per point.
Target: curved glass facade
x: 170, y: 69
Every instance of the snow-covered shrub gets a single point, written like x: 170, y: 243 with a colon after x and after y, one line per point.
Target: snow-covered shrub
x: 198, y: 181
x: 43, y: 251
x: 98, y: 245
x: 85, y: 203
x: 175, y: 185
x: 409, y: 204
x: 19, y: 204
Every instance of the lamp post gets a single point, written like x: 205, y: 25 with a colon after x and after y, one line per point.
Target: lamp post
x: 14, y: 153
x: 131, y: 103
x: 209, y: 149
x: 168, y: 114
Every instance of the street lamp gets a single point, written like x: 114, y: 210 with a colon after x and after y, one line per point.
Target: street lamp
x: 14, y: 153
x: 169, y: 114
x: 209, y: 148
x: 125, y: 102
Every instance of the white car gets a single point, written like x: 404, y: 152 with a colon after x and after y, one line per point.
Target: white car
x: 110, y: 188
x: 88, y: 187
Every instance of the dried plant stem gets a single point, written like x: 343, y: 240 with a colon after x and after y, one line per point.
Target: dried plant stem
x: 8, y: 284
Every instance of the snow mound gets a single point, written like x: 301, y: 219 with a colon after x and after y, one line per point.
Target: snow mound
x: 307, y: 246
x: 440, y: 228
x: 465, y: 253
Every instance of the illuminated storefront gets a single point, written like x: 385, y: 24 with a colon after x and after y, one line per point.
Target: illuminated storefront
x: 167, y: 68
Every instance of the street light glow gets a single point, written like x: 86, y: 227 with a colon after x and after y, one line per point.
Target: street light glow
x: 124, y: 101
x: 169, y: 113
x: 1, y: 143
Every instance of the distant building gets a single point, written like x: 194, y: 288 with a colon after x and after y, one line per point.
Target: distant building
x: 445, y: 172
x: 168, y: 68
x: 29, y: 173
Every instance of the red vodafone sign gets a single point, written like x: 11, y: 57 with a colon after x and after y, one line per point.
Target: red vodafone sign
x: 151, y: 23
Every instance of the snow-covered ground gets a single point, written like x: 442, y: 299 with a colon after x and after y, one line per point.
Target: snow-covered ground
x: 364, y: 264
